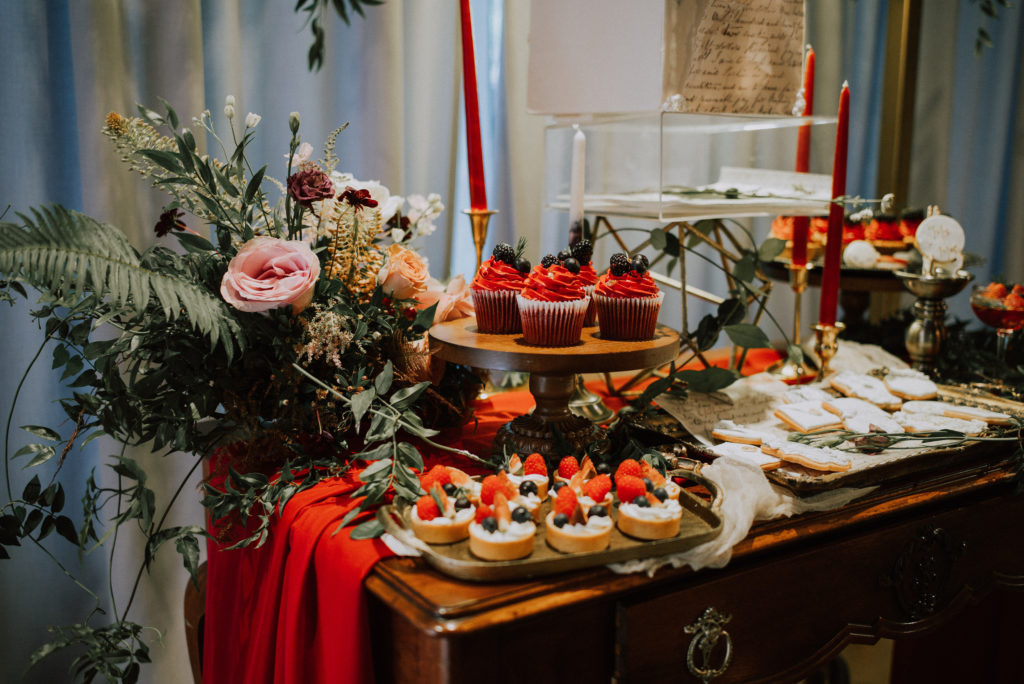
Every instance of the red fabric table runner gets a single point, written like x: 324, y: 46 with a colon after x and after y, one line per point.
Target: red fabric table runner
x: 293, y: 611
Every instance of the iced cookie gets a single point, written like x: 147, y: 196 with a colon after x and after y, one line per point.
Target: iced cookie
x: 866, y: 387
x: 728, y: 431
x: 908, y: 383
x: 799, y: 395
x: 861, y: 416
x: 815, y: 458
x: 747, y: 452
x: 932, y: 422
x: 807, y: 416
x: 941, y: 408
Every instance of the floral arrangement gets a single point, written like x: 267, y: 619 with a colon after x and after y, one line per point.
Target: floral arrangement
x: 290, y: 341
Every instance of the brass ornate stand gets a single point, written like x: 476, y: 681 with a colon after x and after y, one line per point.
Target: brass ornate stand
x: 552, y: 370
x: 479, y: 220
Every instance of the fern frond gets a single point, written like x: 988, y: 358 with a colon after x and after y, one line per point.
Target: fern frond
x: 70, y: 255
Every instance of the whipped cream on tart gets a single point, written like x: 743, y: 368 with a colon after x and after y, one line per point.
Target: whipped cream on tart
x: 747, y: 452
x: 647, y: 515
x: 908, y: 383
x: 815, y: 458
x: 807, y: 416
x: 941, y: 408
x: 866, y: 387
x: 861, y: 416
x: 572, y: 528
x: 501, y: 533
x: 440, y: 519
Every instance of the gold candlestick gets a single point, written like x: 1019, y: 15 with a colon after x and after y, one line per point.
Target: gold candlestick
x: 788, y: 369
x: 826, y: 345
x: 479, y: 219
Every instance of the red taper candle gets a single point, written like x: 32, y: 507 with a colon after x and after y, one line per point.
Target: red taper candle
x: 834, y: 243
x: 802, y: 224
x: 477, y: 186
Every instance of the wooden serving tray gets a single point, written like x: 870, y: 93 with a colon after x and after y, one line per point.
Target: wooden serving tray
x: 701, y: 522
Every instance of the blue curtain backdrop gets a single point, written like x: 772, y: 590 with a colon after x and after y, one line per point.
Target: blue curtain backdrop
x: 395, y: 77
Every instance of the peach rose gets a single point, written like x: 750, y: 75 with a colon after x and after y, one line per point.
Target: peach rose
x: 268, y: 273
x: 454, y: 301
x: 403, y: 274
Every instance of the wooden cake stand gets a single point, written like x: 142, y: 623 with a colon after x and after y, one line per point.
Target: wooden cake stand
x: 551, y: 376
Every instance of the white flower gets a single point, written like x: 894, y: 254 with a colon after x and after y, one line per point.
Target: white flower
x: 229, y: 101
x: 251, y: 120
x: 302, y: 153
x: 229, y: 111
x: 397, y: 235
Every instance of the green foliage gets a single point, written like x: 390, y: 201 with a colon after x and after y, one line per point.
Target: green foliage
x: 316, y: 9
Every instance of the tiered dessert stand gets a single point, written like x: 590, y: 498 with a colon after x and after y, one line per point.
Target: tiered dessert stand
x: 551, y: 376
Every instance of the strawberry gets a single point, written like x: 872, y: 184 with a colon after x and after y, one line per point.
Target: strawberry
x: 568, y: 467
x: 630, y: 487
x: 482, y: 511
x: 1018, y: 290
x: 652, y: 474
x: 628, y: 467
x: 440, y: 475
x: 1013, y: 301
x: 995, y: 291
x: 565, y: 501
x: 493, y: 484
x: 427, y: 508
x: 535, y: 465
x: 598, y: 487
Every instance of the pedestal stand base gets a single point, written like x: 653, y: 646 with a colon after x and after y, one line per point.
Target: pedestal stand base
x: 528, y: 434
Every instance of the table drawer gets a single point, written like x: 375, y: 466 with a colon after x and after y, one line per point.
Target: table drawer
x: 789, y: 613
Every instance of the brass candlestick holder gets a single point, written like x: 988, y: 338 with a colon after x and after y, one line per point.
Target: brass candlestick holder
x: 479, y: 220
x: 788, y: 369
x: 826, y: 345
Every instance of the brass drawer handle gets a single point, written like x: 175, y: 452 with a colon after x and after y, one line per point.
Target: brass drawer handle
x: 708, y: 629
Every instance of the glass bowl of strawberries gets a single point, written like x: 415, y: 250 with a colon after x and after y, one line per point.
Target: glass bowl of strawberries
x: 1000, y: 306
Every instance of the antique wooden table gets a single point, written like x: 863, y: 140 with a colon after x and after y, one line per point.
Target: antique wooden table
x: 928, y: 561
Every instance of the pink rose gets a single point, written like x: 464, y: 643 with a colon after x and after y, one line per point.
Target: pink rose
x: 454, y: 301
x: 268, y: 273
x: 403, y: 274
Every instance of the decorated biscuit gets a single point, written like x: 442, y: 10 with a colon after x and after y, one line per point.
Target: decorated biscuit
x: 866, y: 387
x: 815, y: 458
x: 747, y: 452
x: 728, y: 431
x: 799, y: 395
x: 932, y: 422
x: 908, y: 383
x: 861, y: 416
x: 807, y: 416
x: 941, y: 408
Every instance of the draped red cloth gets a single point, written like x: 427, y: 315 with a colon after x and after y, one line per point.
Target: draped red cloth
x: 293, y: 611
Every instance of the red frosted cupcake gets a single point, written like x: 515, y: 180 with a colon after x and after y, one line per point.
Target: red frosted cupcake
x: 883, y: 232
x: 910, y: 219
x: 497, y: 282
x: 583, y: 251
x: 628, y: 300
x: 552, y: 303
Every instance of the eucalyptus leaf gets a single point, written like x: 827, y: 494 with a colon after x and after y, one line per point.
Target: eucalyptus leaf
x: 747, y: 335
x: 371, y: 529
x: 382, y: 383
x: 361, y: 404
x: 770, y: 248
x: 376, y: 470
x: 708, y: 379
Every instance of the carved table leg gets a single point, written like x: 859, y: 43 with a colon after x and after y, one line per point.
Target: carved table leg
x: 537, y: 432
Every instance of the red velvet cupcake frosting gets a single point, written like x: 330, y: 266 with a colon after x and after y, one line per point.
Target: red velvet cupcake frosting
x: 629, y: 285
x: 497, y: 275
x: 553, y: 284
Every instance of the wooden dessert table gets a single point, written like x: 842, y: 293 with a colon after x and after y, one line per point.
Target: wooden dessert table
x: 903, y: 562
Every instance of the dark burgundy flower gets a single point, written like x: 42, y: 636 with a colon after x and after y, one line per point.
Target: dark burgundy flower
x: 399, y: 221
x: 358, y: 198
x: 170, y: 220
x: 311, y: 185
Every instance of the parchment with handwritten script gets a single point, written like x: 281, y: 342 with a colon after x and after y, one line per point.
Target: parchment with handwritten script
x: 734, y: 56
x: 748, y: 402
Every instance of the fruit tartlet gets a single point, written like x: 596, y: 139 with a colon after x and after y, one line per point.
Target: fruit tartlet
x: 883, y: 232
x: 500, y: 532
x: 571, y: 528
x: 910, y: 219
x: 534, y: 470
x: 524, y: 495
x: 782, y: 228
x: 647, y: 515
x: 452, y: 480
x: 853, y: 228
x: 628, y: 300
x: 495, y: 288
x: 552, y: 303
x: 441, y: 519
x: 569, y: 467
x: 583, y: 252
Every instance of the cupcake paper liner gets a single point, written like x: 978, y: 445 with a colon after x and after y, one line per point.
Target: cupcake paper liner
x: 631, y: 318
x: 591, y: 317
x: 496, y: 311
x: 552, y: 324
